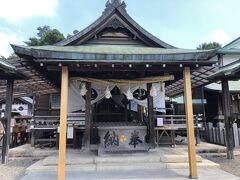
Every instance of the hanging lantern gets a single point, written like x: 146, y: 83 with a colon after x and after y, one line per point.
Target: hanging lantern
x: 129, y: 94
x: 108, y: 94
x: 83, y: 89
x: 233, y: 98
x: 153, y: 91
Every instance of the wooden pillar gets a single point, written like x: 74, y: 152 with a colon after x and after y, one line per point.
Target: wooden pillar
x: 190, y: 126
x: 150, y: 117
x: 8, y: 116
x: 130, y: 110
x: 140, y: 113
x: 228, y: 125
x: 63, y: 124
x: 204, y: 120
x: 87, y: 116
x: 125, y: 109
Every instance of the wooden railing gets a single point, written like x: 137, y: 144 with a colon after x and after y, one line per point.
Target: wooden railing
x: 179, y: 121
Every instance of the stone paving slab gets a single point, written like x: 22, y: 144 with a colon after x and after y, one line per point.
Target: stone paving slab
x: 161, y: 174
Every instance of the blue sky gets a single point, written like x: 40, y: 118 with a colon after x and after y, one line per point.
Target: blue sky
x: 181, y: 23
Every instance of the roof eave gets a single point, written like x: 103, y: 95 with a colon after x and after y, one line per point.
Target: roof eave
x: 223, y: 51
x: 78, y: 56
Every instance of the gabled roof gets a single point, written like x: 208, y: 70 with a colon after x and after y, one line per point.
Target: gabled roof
x: 115, y: 15
x: 230, y: 72
x: 231, y: 48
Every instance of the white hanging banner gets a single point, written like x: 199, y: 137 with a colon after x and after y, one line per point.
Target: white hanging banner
x: 138, y: 95
x: 76, y: 101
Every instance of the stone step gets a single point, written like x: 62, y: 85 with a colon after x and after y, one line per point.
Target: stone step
x: 128, y: 159
x: 104, y: 167
x: 70, y: 160
x: 178, y: 158
x: 73, y: 160
x: 130, y: 167
x: 39, y: 167
x: 205, y: 163
x: 76, y: 159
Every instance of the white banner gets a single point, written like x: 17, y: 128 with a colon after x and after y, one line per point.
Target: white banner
x: 77, y: 102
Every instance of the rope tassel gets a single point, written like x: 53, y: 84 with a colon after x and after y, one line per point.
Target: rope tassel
x: 129, y: 94
x: 83, y: 89
x: 153, y: 91
x: 108, y: 94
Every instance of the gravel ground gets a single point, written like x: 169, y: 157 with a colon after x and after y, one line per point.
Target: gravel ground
x: 20, y: 158
x: 15, y: 168
x: 231, y: 166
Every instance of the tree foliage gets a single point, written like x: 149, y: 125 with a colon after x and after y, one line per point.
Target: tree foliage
x: 45, y: 36
x: 210, y: 45
x: 42, y: 30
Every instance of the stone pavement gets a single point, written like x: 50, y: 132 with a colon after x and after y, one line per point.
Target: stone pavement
x: 162, y: 174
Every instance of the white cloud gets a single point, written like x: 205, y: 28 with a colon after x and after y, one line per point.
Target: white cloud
x: 220, y: 36
x: 14, y: 10
x: 5, y: 40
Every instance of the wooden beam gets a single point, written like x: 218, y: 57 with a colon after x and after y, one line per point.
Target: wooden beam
x: 8, y: 116
x: 87, y: 116
x: 117, y: 68
x: 190, y: 126
x: 125, y: 109
x: 228, y: 125
x: 140, y: 113
x: 63, y: 124
x: 150, y: 117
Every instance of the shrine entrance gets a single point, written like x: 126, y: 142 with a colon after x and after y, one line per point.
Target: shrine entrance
x: 113, y: 52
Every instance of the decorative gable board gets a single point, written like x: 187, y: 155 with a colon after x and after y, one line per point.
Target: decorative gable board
x: 115, y: 20
x: 115, y: 36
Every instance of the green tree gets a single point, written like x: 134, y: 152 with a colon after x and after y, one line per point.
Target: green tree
x: 210, y: 45
x: 51, y: 37
x: 45, y: 36
x: 42, y: 30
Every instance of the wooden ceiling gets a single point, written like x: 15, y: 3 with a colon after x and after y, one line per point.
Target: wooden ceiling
x: 36, y: 84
